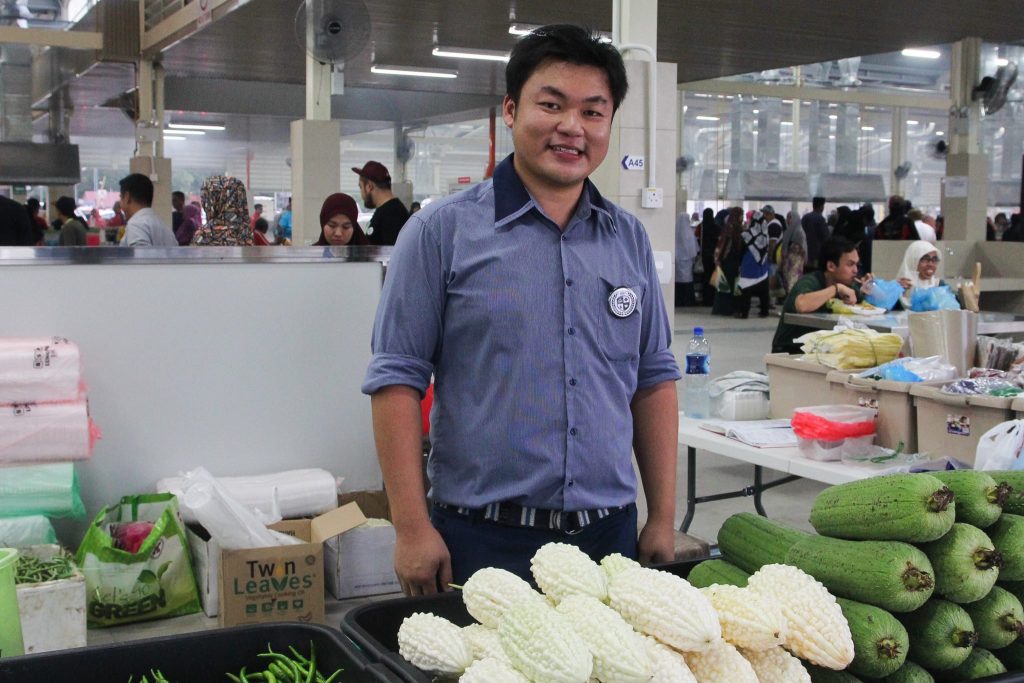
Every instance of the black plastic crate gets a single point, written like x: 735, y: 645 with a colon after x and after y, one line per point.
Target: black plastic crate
x: 201, y: 657
x: 374, y: 627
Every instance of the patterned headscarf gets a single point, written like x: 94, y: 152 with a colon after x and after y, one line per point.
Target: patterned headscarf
x: 227, y: 214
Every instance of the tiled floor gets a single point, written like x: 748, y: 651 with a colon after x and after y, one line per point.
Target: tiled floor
x: 735, y: 345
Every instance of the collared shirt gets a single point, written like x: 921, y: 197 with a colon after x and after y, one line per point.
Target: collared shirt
x: 145, y: 229
x: 534, y: 372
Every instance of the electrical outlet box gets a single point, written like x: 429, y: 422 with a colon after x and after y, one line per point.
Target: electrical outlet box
x: 651, y: 198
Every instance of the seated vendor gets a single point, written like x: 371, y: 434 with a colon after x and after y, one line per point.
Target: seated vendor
x: 814, y: 290
x: 919, y: 269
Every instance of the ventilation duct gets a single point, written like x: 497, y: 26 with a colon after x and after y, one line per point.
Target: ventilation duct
x: 851, y: 187
x: 767, y: 186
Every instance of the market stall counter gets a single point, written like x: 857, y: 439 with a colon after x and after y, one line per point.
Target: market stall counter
x: 206, y: 657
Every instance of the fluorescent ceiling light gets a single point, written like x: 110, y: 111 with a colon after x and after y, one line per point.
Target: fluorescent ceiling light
x: 833, y: 116
x: 521, y: 29
x: 418, y: 71
x: 920, y: 53
x: 465, y: 53
x: 912, y: 122
x: 195, y: 126
x: 885, y: 139
x: 867, y: 128
x: 756, y: 111
x: 831, y: 137
x: 723, y: 170
x: 186, y: 131
x: 786, y: 123
x: 174, y: 137
x: 707, y: 118
x: 939, y: 133
x: 1002, y: 61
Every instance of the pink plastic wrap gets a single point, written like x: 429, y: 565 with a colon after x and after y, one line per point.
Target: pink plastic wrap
x: 38, y: 369
x: 46, y: 432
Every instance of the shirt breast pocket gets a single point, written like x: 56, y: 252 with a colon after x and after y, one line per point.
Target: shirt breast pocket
x: 621, y: 321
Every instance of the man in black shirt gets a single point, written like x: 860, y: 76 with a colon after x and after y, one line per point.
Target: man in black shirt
x: 816, y: 230
x: 390, y: 214
x: 15, y: 224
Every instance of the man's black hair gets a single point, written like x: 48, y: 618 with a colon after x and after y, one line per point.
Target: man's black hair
x: 178, y: 193
x: 32, y: 204
x: 564, y: 43
x: 139, y: 187
x: 66, y: 206
x: 833, y: 249
x: 258, y: 206
x: 262, y: 225
x: 818, y: 203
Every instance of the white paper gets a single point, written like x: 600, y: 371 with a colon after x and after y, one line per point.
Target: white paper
x: 775, y: 433
x: 956, y: 186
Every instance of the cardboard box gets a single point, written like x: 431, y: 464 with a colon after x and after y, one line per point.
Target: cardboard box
x: 897, y: 419
x: 52, y: 612
x: 795, y: 381
x: 279, y: 583
x: 953, y: 424
x: 361, y: 561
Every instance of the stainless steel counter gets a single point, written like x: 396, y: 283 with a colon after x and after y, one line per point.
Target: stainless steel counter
x: 989, y: 322
x: 35, y: 256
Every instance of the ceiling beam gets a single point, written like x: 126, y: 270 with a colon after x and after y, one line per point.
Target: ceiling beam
x: 74, y: 40
x: 803, y: 92
x: 189, y: 20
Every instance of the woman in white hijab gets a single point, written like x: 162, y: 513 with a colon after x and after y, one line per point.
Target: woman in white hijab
x: 919, y: 269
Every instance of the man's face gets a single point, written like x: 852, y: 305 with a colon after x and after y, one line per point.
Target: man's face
x: 178, y: 202
x: 128, y: 204
x: 561, y: 124
x: 847, y: 270
x: 365, y: 191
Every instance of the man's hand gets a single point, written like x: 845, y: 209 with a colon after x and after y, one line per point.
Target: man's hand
x: 422, y: 562
x: 657, y: 543
x: 846, y: 294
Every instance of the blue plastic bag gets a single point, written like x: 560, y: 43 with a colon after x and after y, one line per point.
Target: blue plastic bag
x: 939, y: 298
x: 884, y: 293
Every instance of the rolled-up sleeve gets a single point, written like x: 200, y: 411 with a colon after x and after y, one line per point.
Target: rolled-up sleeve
x: 408, y: 328
x: 657, y: 362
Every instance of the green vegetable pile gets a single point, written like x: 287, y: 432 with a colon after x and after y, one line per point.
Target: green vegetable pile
x: 33, y: 570
x: 280, y: 668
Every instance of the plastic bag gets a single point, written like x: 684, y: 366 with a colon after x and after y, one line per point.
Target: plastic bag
x: 230, y: 523
x: 50, y: 490
x: 809, y: 425
x: 929, y: 369
x: 883, y: 293
x: 154, y: 582
x: 939, y: 298
x: 1000, y: 447
x: 17, y: 532
x: 46, y: 432
x: 992, y: 386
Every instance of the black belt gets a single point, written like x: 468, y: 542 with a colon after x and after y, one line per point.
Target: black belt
x: 510, y: 514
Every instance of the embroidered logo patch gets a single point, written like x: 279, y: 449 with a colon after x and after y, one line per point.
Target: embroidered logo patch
x: 622, y: 302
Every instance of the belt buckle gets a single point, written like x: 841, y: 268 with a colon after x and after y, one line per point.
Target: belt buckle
x: 571, y: 523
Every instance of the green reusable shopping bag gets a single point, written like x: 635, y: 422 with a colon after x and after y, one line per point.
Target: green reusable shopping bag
x: 153, y: 582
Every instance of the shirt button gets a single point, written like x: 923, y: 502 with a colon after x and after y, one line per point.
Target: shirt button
x: 564, y: 238
x: 572, y: 381
x: 572, y: 431
x: 571, y: 482
x: 572, y: 330
x: 568, y: 282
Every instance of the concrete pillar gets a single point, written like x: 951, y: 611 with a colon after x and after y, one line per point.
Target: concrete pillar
x: 638, y: 25
x: 965, y: 189
x: 847, y: 138
x: 149, y: 128
x: 316, y: 173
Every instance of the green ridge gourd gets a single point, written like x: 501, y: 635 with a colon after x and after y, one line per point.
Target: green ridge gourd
x: 941, y: 635
x: 909, y: 673
x: 998, y: 618
x: 979, y: 664
x: 979, y: 498
x: 898, y: 507
x: 820, y: 675
x: 880, y: 642
x: 898, y: 578
x: 966, y: 563
x: 1007, y: 534
x: 710, y: 572
x: 750, y: 541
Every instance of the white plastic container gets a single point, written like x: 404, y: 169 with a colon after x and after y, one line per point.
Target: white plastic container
x: 816, y: 448
x: 740, y: 405
x: 52, y: 612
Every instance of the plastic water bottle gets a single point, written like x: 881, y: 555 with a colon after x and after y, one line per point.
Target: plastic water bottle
x: 698, y: 374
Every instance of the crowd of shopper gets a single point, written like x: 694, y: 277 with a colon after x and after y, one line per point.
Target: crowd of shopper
x: 220, y: 217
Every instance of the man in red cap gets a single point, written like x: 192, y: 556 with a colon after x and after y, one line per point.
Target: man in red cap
x: 390, y: 214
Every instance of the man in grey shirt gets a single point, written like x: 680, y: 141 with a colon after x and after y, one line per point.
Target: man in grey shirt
x: 144, y: 229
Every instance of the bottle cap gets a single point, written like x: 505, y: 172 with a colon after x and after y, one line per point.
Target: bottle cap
x: 698, y: 331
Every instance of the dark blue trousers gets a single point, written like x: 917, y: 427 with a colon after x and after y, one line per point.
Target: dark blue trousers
x: 475, y: 543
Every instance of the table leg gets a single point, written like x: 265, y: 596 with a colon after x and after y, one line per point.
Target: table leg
x: 691, y: 487
x: 758, y: 488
